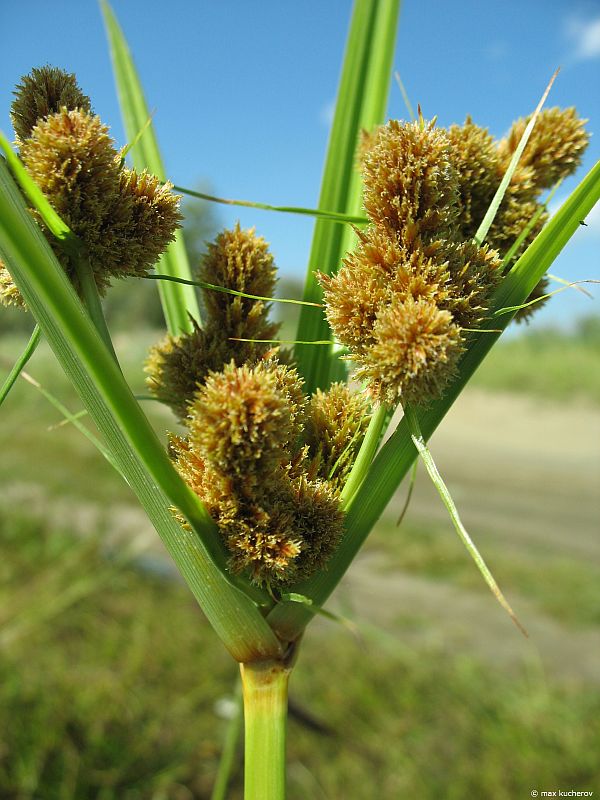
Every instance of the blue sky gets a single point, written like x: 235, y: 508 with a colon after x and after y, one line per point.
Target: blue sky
x: 243, y: 92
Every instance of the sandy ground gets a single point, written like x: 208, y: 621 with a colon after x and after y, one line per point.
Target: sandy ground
x: 524, y: 474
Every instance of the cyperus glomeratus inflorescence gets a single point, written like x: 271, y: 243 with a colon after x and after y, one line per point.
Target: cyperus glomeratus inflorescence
x: 416, y: 282
x: 267, y: 461
x: 124, y: 220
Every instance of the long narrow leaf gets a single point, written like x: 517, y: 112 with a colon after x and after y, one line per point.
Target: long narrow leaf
x: 20, y: 363
x: 398, y: 454
x: 361, y: 101
x: 412, y: 423
x: 140, y: 456
x: 224, y: 290
x: 306, y: 212
x: 483, y: 229
x: 179, y: 302
x: 71, y: 418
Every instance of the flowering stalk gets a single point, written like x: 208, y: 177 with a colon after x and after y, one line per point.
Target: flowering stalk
x: 266, y: 494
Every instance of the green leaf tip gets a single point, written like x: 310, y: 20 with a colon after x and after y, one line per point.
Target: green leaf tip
x: 436, y: 478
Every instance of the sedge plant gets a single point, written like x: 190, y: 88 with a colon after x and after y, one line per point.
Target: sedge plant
x: 428, y: 242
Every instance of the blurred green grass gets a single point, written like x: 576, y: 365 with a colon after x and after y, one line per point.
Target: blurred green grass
x: 113, y: 696
x: 547, y: 363
x: 109, y: 675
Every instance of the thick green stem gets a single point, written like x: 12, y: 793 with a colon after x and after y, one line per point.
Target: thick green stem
x: 91, y: 301
x: 265, y: 718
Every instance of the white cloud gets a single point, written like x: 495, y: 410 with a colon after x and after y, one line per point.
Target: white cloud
x: 585, y: 37
x: 496, y: 51
x: 326, y: 114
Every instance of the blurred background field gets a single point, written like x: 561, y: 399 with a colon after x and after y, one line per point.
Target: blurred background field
x: 112, y: 683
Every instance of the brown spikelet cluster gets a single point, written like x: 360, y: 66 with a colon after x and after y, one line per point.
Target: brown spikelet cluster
x: 43, y: 92
x: 554, y: 151
x: 416, y: 281
x: 267, y: 461
x: 401, y: 298
x: 337, y: 421
x: 245, y: 458
x: 238, y: 260
x: 123, y: 219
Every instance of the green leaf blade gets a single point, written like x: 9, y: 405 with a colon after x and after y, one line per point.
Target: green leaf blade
x: 398, y: 454
x: 361, y: 100
x: 133, y: 445
x: 179, y: 301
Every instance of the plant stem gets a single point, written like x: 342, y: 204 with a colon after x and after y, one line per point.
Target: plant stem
x: 91, y: 301
x: 366, y: 454
x: 265, y: 716
x: 20, y: 363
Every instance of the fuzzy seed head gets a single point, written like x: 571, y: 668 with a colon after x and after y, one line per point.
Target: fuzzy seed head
x: 151, y: 217
x: 476, y: 160
x: 125, y: 220
x: 415, y: 354
x: 242, y: 420
x: 514, y: 215
x: 177, y: 366
x: 71, y: 157
x: 555, y: 147
x: 411, y: 186
x: 318, y: 522
x: 45, y: 91
x: 9, y: 294
x: 238, y: 259
x: 474, y: 272
x: 337, y: 421
x: 245, y: 459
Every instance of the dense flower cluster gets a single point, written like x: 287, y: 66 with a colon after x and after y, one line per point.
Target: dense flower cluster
x: 237, y: 260
x: 554, y: 151
x: 267, y: 461
x: 401, y: 298
x: 124, y: 220
x: 416, y: 281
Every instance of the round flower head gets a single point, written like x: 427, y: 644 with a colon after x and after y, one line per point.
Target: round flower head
x: 238, y: 259
x: 243, y: 421
x: 337, y: 421
x: 123, y: 220
x: 473, y: 274
x: 244, y: 459
x: 353, y: 296
x: 415, y: 354
x: 46, y: 90
x: 177, y: 366
x: 410, y: 184
x: 555, y: 147
x: 317, y: 520
x: 263, y: 544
